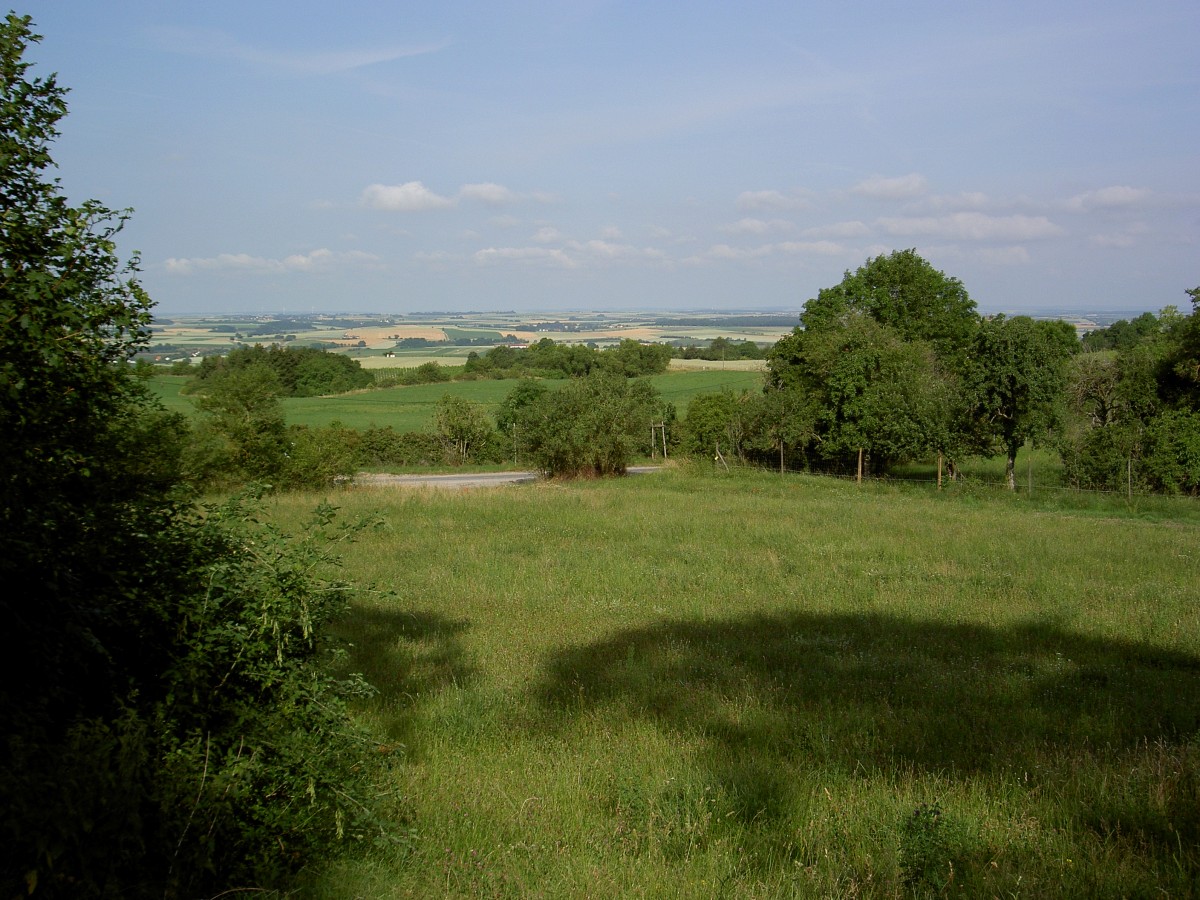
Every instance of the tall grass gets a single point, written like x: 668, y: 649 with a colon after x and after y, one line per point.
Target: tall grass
x: 686, y: 684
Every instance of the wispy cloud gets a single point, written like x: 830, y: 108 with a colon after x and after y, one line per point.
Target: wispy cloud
x: 211, y: 42
x: 851, y: 229
x: 487, y: 192
x: 1115, y: 197
x: 534, y: 255
x: 412, y: 196
x: 757, y: 226
x: 727, y: 253
x: 260, y: 265
x: 905, y: 187
x: 772, y: 199
x: 972, y: 226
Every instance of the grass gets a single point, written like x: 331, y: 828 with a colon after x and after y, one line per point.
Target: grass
x: 744, y: 685
x: 412, y: 408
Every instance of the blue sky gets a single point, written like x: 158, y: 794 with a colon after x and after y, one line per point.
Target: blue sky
x: 597, y: 155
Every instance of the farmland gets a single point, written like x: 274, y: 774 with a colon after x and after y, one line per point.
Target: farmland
x: 412, y: 408
x: 688, y: 683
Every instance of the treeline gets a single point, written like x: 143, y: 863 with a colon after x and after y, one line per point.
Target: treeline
x: 296, y: 371
x: 169, y: 726
x: 895, y: 364
x: 549, y: 359
x: 721, y: 348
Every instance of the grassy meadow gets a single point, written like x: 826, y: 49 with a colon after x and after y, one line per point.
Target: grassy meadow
x: 744, y: 685
x: 412, y: 408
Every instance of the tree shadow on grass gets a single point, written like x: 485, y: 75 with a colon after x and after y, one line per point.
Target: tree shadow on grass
x: 407, y: 656
x: 886, y: 696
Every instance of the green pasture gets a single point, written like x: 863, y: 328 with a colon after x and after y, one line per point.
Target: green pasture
x: 691, y: 684
x: 412, y: 408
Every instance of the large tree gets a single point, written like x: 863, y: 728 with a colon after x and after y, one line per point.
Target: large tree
x: 164, y: 730
x: 906, y: 293
x: 1015, y: 381
x: 869, y: 392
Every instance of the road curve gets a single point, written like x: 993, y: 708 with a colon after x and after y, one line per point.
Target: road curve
x: 461, y: 482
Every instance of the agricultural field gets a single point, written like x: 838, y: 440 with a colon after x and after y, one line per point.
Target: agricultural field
x: 379, y: 334
x: 705, y: 684
x: 411, y: 408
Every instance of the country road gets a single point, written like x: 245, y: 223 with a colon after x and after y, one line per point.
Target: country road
x: 460, y: 482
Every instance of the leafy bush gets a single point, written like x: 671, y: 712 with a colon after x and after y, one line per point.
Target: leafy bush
x: 591, y: 426
x: 1172, y: 457
x: 169, y: 730
x: 227, y: 759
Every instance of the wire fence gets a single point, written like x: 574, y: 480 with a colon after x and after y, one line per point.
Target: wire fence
x: 1024, y: 486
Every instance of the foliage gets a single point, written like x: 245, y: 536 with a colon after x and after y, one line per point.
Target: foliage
x: 384, y: 447
x: 167, y: 730
x: 633, y: 359
x: 719, y: 422
x: 463, y: 425
x: 591, y: 426
x: 1015, y: 382
x: 300, y: 371
x: 1122, y: 334
x: 1172, y: 456
x: 243, y: 413
x: 547, y: 358
x: 721, y: 348
x: 903, y: 292
x: 864, y: 388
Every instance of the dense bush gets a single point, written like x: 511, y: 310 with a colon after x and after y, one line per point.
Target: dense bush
x: 591, y: 426
x: 301, y: 371
x: 168, y: 729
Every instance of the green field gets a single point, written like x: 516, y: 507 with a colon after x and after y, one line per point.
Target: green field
x: 684, y: 685
x: 412, y: 408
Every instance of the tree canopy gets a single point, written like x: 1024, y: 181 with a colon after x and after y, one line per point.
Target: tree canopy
x: 904, y: 292
x: 167, y: 731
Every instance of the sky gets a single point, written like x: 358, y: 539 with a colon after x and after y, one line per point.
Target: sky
x: 550, y: 156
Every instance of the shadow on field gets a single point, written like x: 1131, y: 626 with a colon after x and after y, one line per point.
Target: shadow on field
x: 886, y: 696
x: 406, y: 656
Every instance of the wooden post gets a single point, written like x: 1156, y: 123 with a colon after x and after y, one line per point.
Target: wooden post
x: 939, y: 470
x: 860, y: 462
x: 719, y: 458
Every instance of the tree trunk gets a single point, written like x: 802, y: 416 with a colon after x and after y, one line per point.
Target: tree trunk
x: 1010, y: 468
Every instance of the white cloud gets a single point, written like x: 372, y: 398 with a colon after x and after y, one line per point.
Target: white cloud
x: 850, y: 229
x: 789, y: 248
x: 1115, y: 197
x: 505, y: 221
x: 973, y: 226
x: 610, y: 233
x: 607, y: 250
x: 724, y: 251
x: 974, y: 200
x: 903, y: 188
x: 412, y: 196
x: 260, y: 265
x: 757, y: 226
x: 524, y: 255
x: 817, y: 248
x: 1125, y: 239
x: 488, y: 192
x: 772, y: 200
x: 547, y: 235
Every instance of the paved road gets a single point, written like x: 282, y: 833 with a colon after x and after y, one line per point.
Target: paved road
x: 459, y: 482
